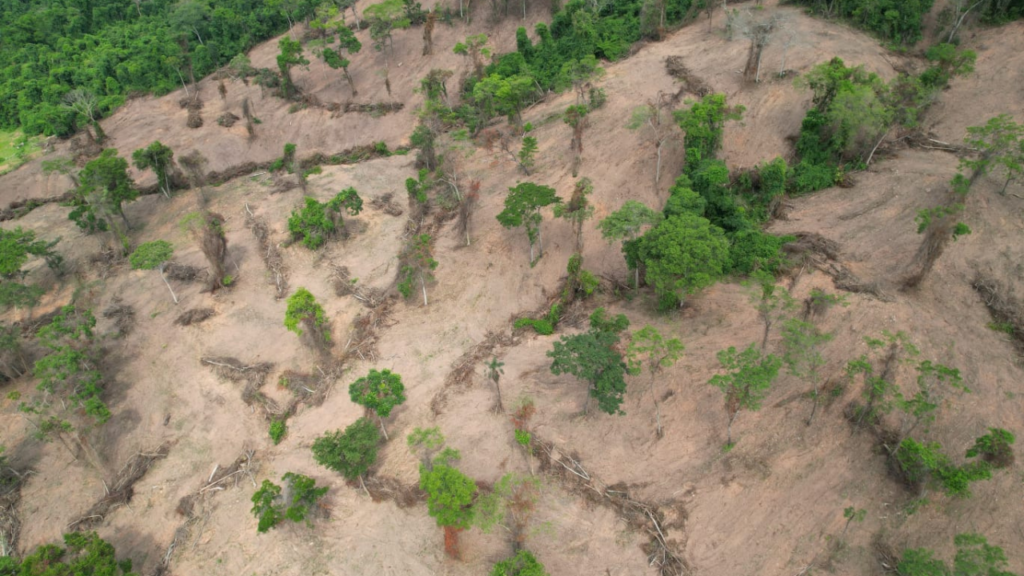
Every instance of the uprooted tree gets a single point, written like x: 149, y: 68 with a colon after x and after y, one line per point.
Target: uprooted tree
x: 380, y: 392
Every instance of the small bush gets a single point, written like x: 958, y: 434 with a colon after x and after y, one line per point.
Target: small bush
x: 996, y: 448
x: 277, y: 431
x: 381, y: 148
x: 540, y: 325
x: 270, y: 508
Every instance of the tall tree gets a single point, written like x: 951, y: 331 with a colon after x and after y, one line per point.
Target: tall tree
x: 747, y: 381
x: 682, y: 255
x: 594, y: 357
x: 450, y: 495
x: 802, y: 343
x: 522, y: 208
x: 625, y: 224
x: 649, y: 349
x: 105, y: 187
x: 576, y: 118
x: 475, y: 49
x: 577, y: 210
x: 380, y: 392
x: 290, y: 55
x: 84, y: 103
x: 349, y: 453
x: 653, y: 121
x: 348, y: 42
x: 161, y: 159
x: 772, y: 302
x: 419, y: 265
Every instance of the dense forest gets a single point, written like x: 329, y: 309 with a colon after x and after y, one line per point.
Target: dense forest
x: 114, y: 48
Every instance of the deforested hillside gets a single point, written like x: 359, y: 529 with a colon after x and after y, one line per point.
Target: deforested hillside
x: 518, y: 289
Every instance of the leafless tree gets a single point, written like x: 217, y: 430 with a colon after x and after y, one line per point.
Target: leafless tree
x: 84, y: 102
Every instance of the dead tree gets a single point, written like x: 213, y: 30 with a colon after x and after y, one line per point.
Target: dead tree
x: 194, y: 164
x: 249, y: 125
x: 760, y: 34
x: 428, y: 33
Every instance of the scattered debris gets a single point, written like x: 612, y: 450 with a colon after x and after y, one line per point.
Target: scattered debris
x: 121, y: 489
x: 193, y: 316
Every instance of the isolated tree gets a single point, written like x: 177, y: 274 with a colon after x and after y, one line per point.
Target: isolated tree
x: 772, y: 302
x: 653, y: 121
x: 759, y: 29
x: 419, y: 265
x: 380, y: 392
x: 576, y: 118
x: 683, y: 254
x: 270, y: 507
x: 996, y: 448
x: 933, y: 381
x: 594, y: 357
x: 428, y: 33
x: 577, y: 210
x: 64, y: 166
x: 290, y: 55
x: 495, y: 371
x: 450, y: 495
x: 649, y: 349
x: 528, y: 151
x: 879, y: 389
x: 426, y: 442
x: 318, y: 221
x: 522, y: 564
x: 703, y: 124
x: 384, y: 17
x: 161, y: 159
x: 475, y: 49
x: 154, y: 256
x: 1000, y: 143
x: 510, y: 506
x: 747, y: 381
x: 625, y: 224
x: 104, y: 188
x: 84, y: 103
x: 522, y: 208
x: 207, y: 229
x: 304, y: 310
x: 349, y: 453
x: 348, y: 42
x: 802, y: 343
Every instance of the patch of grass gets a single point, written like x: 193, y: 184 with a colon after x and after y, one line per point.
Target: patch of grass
x: 1004, y: 327
x: 16, y: 149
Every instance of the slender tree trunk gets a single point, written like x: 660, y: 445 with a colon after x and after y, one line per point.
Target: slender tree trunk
x: 501, y: 405
x: 164, y: 278
x: 764, y: 339
x: 351, y: 83
x: 952, y: 33
x: 729, y: 427
x: 657, y: 167
x: 382, y: 429
x: 423, y: 286
x: 196, y: 30
x: 814, y: 407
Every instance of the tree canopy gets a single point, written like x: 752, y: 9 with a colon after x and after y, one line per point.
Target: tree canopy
x: 349, y: 453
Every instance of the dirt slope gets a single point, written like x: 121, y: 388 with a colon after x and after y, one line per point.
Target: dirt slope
x: 769, y: 506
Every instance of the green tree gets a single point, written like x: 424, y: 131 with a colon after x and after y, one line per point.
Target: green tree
x: 625, y: 224
x: 522, y: 564
x: 504, y: 95
x: 161, y: 159
x: 593, y: 357
x: 704, y: 124
x: 475, y: 49
x: 450, y: 495
x: 682, y: 255
x: 15, y: 248
x: 270, y: 507
x: 426, y: 442
x: 83, y: 554
x: 420, y: 266
x: 748, y: 379
x: 522, y: 208
x: 349, y: 453
x: 348, y: 42
x: 923, y: 464
x: 154, y: 256
x: 380, y: 391
x: 68, y: 372
x: 105, y: 187
x: 510, y: 505
x: 648, y: 347
x: 577, y: 210
x: 1000, y: 143
x: 304, y: 310
x: 528, y: 153
x: 318, y: 222
x: 996, y: 448
x: 802, y: 343
x: 772, y: 302
x: 575, y: 117
x: 290, y: 55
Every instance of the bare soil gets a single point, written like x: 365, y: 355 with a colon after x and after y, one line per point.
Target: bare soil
x: 772, y: 505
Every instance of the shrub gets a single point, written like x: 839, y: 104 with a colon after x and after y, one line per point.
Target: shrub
x: 270, y: 508
x: 996, y: 447
x: 278, y: 429
x: 350, y: 453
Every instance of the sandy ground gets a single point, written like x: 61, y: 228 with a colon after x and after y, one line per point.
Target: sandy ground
x: 770, y: 506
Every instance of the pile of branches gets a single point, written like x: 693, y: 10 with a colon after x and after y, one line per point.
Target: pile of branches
x: 641, y: 516
x: 268, y: 251
x: 252, y: 377
x: 120, y: 489
x: 815, y: 251
x: 193, y: 316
